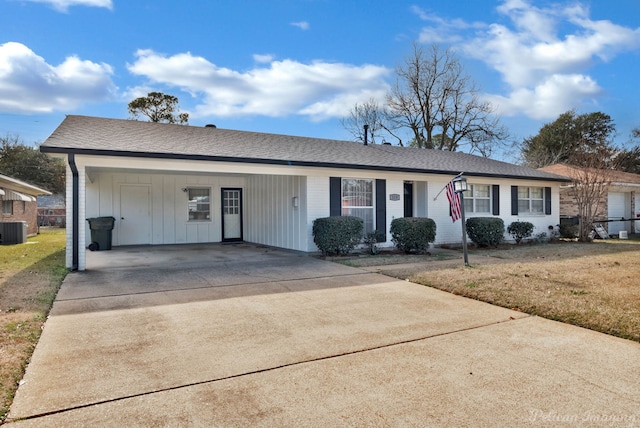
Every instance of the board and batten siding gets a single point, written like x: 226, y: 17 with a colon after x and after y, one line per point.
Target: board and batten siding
x: 271, y: 217
x: 317, y: 205
x: 168, y: 204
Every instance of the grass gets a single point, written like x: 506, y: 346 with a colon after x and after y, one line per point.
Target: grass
x: 30, y: 276
x: 593, y: 285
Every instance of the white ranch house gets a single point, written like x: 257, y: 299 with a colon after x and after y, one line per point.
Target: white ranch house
x: 176, y: 184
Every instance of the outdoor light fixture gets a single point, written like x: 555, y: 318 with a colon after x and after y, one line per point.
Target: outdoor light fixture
x: 459, y: 184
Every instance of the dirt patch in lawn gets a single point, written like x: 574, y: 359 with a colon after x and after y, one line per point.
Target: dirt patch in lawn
x: 390, y: 257
x: 30, y: 276
x: 593, y: 285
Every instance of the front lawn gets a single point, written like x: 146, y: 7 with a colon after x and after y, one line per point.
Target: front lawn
x: 30, y: 276
x: 593, y: 285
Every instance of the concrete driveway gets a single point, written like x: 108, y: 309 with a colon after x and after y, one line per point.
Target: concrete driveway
x: 240, y: 335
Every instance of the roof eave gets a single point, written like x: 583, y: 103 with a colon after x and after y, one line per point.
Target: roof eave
x: 284, y: 162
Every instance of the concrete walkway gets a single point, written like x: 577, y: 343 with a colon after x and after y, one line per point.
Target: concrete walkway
x: 239, y: 335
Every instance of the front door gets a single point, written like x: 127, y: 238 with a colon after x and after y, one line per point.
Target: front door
x: 134, y: 226
x: 408, y: 199
x: 231, y: 215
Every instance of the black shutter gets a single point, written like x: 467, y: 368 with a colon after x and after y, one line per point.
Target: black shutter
x: 381, y: 209
x: 514, y: 200
x: 495, y: 196
x: 335, y: 196
x: 547, y: 200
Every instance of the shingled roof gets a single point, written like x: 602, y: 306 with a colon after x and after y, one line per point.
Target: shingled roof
x: 118, y: 137
x: 616, y: 177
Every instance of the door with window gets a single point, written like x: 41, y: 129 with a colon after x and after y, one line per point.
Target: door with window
x: 231, y: 215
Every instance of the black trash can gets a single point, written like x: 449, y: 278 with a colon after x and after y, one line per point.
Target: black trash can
x: 101, y: 230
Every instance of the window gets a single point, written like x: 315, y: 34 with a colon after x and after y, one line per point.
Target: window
x: 357, y: 201
x: 24, y: 207
x: 199, y: 205
x: 477, y: 199
x: 7, y: 207
x: 530, y: 200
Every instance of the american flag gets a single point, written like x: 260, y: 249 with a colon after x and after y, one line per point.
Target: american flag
x: 454, y: 202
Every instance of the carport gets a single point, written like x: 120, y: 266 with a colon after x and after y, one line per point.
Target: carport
x: 245, y: 335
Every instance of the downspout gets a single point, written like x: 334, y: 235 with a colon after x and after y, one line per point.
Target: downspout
x: 76, y: 212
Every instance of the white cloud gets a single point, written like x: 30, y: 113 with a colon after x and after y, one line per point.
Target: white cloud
x: 548, y: 99
x: 265, y: 58
x: 303, y: 25
x: 318, y: 90
x: 542, y: 53
x: 441, y: 30
x: 64, y: 5
x: 29, y: 85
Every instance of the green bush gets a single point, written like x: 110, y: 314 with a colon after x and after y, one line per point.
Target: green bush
x: 337, y: 235
x: 413, y: 234
x: 520, y: 230
x: 568, y: 230
x: 485, y: 231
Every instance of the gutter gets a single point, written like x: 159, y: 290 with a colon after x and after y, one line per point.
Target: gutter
x: 75, y: 197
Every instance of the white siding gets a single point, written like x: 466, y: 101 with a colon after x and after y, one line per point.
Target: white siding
x: 271, y: 217
x: 395, y: 209
x: 169, y: 215
x: 268, y: 212
x: 420, y: 199
x: 449, y: 232
x: 317, y: 205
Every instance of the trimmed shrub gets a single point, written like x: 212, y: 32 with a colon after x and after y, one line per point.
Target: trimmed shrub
x: 568, y: 230
x: 337, y: 235
x: 413, y: 234
x: 485, y: 231
x: 520, y: 230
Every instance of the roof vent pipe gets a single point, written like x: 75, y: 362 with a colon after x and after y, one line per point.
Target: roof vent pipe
x: 366, y: 134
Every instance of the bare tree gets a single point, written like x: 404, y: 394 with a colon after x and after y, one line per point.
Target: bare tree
x: 376, y: 119
x: 369, y: 113
x: 591, y: 173
x: 433, y: 96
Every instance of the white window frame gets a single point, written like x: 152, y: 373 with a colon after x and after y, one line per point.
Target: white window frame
x: 346, y: 208
x: 471, y: 198
x: 530, y: 201
x: 195, y: 208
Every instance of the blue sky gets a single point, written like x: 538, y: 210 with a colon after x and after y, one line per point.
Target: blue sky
x: 297, y: 66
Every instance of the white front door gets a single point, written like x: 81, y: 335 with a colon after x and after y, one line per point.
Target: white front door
x: 232, y: 214
x: 134, y: 226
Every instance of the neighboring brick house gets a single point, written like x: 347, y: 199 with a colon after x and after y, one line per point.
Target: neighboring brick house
x: 52, y: 210
x: 618, y: 209
x: 19, y: 203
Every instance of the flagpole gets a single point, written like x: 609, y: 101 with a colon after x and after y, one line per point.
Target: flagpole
x: 464, y: 230
x: 445, y: 186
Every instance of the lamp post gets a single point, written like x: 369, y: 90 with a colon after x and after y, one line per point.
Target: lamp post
x: 460, y: 186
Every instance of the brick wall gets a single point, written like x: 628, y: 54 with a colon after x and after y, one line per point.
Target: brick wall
x: 22, y: 211
x: 569, y: 207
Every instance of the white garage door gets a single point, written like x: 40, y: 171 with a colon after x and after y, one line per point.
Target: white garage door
x: 618, y: 208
